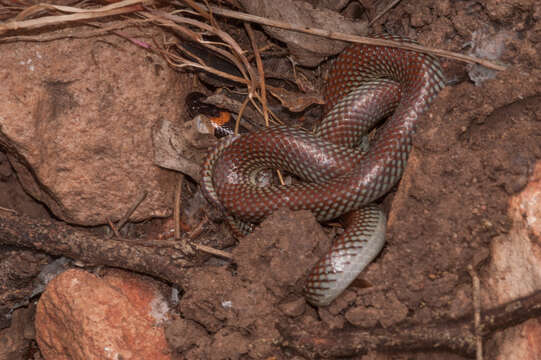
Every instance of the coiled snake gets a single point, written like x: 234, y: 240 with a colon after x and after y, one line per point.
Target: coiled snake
x: 366, y: 83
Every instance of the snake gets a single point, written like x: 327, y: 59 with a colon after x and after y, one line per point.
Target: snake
x: 342, y: 166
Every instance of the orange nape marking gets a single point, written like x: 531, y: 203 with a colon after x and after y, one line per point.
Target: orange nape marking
x: 223, y: 118
x: 320, y: 341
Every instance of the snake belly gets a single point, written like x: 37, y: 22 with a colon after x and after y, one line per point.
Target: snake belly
x: 366, y: 84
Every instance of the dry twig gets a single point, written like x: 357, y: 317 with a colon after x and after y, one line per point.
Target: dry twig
x: 445, y: 335
x: 142, y: 196
x: 77, y: 15
x: 8, y: 210
x: 354, y: 38
x: 383, y: 12
x: 178, y: 201
x: 113, y: 228
x: 476, y: 313
x: 59, y: 239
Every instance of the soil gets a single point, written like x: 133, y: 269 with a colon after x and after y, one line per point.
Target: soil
x: 475, y: 147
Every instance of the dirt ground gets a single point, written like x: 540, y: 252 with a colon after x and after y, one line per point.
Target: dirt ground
x: 475, y: 147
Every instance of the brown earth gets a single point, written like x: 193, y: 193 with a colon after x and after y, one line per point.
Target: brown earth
x: 475, y: 148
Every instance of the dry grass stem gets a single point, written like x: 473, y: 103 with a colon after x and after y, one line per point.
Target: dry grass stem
x: 261, y: 72
x: 237, y: 56
x: 171, y: 21
x: 76, y: 14
x: 383, y: 12
x: 178, y: 203
x: 142, y: 196
x: 476, y: 313
x: 114, y: 229
x: 252, y: 80
x: 8, y: 210
x: 73, y: 10
x: 241, y: 111
x: 83, y: 34
x: 354, y: 38
x: 213, y: 251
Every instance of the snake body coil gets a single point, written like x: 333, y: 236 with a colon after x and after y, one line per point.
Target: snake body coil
x: 366, y: 84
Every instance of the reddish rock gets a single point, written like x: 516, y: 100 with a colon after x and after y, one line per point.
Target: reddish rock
x: 187, y: 336
x: 15, y: 340
x: 342, y: 302
x: 229, y: 344
x: 386, y: 310
x: 143, y: 293
x: 78, y: 133
x: 332, y: 321
x: 294, y: 308
x: 363, y: 317
x: 81, y: 316
x: 515, y: 269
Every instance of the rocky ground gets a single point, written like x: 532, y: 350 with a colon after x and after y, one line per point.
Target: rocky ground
x: 77, y: 130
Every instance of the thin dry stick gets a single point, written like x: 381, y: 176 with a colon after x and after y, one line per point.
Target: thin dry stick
x: 476, y: 313
x: 237, y: 51
x: 387, y: 8
x: 354, y: 38
x: 207, y: 249
x: 80, y: 35
x: 8, y: 210
x: 113, y: 228
x: 60, y: 19
x: 280, y: 177
x: 251, y: 80
x: 178, y: 201
x: 262, y: 84
x: 260, y: 68
x: 213, y: 251
x: 182, y: 62
x: 182, y: 242
x: 200, y: 10
x: 272, y: 114
x: 261, y: 72
x: 130, y: 211
x: 225, y: 37
x: 70, y: 9
x: 241, y: 111
x: 171, y: 20
x: 243, y: 65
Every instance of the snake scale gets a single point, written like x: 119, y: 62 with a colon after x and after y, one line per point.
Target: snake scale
x: 365, y: 85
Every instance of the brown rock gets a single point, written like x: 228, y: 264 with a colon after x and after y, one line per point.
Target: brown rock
x: 19, y: 271
x: 362, y: 317
x: 282, y: 251
x: 452, y: 200
x: 521, y: 342
x: 393, y: 311
x: 229, y: 344
x: 515, y: 268
x: 420, y: 17
x: 76, y: 120
x: 184, y: 335
x: 503, y: 9
x: 208, y: 298
x: 80, y: 316
x: 342, y: 302
x: 15, y: 340
x: 443, y: 7
x: 143, y: 292
x: 241, y: 308
x: 331, y: 320
x: 293, y: 308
